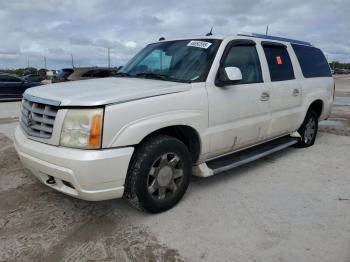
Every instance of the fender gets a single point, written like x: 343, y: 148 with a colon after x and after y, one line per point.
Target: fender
x: 134, y: 132
x: 309, y: 100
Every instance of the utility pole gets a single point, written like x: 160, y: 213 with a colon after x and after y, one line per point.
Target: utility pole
x: 267, y: 29
x: 72, y: 60
x: 109, y: 57
x: 44, y: 62
x: 28, y: 62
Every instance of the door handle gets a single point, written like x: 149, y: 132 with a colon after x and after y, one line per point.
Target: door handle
x: 265, y: 96
x: 296, y: 92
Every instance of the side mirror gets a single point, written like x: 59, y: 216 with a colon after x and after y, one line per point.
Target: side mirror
x: 229, y: 76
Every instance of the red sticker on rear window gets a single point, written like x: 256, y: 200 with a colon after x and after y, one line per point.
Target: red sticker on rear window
x: 279, y: 60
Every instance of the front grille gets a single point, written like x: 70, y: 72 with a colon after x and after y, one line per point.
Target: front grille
x: 38, y: 119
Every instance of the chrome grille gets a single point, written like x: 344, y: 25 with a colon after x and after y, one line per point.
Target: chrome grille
x: 38, y: 119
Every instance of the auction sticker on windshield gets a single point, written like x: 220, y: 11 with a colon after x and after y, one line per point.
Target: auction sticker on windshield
x: 200, y: 44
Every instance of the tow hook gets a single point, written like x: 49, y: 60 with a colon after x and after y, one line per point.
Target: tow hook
x: 51, y: 180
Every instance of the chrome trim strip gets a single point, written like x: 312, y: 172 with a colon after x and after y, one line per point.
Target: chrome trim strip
x: 41, y: 100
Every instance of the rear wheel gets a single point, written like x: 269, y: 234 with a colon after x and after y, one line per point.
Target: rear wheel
x: 159, y: 174
x: 308, y: 130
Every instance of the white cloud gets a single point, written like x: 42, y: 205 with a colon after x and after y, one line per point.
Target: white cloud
x: 56, y: 29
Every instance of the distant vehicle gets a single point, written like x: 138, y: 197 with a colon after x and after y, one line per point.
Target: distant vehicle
x: 62, y: 75
x: 340, y: 71
x: 33, y: 78
x: 89, y: 73
x: 12, y: 87
x: 82, y: 73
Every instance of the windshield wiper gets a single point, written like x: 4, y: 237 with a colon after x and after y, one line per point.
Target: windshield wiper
x: 153, y: 75
x: 161, y: 77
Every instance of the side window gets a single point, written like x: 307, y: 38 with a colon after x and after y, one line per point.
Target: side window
x: 88, y: 74
x: 246, y: 58
x: 312, y: 61
x: 10, y: 79
x: 279, y: 63
x: 102, y: 73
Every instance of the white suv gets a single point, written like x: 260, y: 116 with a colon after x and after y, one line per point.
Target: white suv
x: 190, y: 106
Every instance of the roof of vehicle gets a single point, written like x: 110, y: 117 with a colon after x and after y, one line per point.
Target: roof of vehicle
x: 247, y: 35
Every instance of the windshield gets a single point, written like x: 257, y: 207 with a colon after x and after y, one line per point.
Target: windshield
x: 181, y: 60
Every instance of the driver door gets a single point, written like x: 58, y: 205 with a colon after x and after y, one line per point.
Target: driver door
x: 239, y: 113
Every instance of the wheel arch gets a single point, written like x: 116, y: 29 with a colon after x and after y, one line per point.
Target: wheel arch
x: 186, y: 134
x: 317, y: 105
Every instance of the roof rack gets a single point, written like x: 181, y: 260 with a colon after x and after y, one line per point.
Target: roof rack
x: 270, y: 37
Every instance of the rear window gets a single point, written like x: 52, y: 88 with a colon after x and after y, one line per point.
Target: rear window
x: 279, y: 63
x: 65, y: 72
x: 312, y: 61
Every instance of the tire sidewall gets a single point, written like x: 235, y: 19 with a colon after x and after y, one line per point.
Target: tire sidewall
x: 163, y: 145
x: 310, y: 114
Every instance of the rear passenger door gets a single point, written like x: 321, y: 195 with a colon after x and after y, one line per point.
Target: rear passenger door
x: 285, y: 90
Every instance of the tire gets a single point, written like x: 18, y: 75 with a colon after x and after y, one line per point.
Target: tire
x: 308, y: 130
x: 158, y: 174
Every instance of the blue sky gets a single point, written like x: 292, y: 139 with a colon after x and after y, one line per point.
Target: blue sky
x: 55, y: 29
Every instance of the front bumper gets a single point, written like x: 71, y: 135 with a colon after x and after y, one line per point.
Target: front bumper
x: 86, y: 174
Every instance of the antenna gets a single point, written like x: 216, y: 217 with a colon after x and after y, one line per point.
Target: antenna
x: 210, y: 33
x: 267, y: 30
x: 161, y: 38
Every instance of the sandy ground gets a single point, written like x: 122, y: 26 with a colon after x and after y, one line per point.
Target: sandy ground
x: 291, y: 206
x: 339, y: 121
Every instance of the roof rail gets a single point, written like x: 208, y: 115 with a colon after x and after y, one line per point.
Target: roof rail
x: 275, y: 38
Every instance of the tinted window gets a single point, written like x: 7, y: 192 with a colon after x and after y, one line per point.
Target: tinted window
x: 102, y: 73
x: 89, y: 74
x: 65, y: 73
x: 97, y: 73
x: 279, y: 63
x: 312, y: 61
x: 247, y: 60
x: 5, y: 78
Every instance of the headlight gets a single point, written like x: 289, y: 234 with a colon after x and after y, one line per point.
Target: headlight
x: 82, y: 128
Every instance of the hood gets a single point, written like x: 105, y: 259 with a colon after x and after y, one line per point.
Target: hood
x: 104, y: 91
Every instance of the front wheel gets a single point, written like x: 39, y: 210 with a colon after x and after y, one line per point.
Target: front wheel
x: 308, y: 130
x: 159, y: 174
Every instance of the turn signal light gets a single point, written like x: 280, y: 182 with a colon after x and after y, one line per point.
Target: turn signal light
x: 95, y: 131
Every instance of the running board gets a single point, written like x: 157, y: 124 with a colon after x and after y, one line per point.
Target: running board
x: 236, y: 159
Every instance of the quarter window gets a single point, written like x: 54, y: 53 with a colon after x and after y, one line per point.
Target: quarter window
x: 279, y: 63
x: 245, y: 57
x: 312, y: 61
